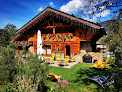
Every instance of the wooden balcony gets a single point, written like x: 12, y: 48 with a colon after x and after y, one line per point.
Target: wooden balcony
x: 53, y: 37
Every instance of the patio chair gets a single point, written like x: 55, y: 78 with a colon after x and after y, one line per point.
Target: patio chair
x: 66, y: 61
x: 73, y: 59
x: 52, y: 60
x: 97, y: 63
x: 104, y: 81
x: 102, y: 65
x: 58, y: 56
x: 53, y: 76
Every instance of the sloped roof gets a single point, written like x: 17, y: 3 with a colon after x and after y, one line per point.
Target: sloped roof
x: 50, y: 10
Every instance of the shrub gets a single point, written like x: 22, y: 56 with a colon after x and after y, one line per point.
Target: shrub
x: 33, y: 69
x: 111, y: 60
x: 7, y: 63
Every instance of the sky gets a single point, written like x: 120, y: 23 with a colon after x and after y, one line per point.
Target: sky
x: 19, y: 12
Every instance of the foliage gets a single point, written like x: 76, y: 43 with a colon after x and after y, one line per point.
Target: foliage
x: 4, y: 37
x: 8, y: 88
x: 7, y: 63
x: 7, y: 34
x: 84, y: 74
x: 57, y: 37
x: 118, y: 55
x: 111, y: 60
x: 48, y: 37
x: 11, y: 29
x: 57, y: 50
x: 60, y: 85
x: 43, y: 38
x: 32, y: 68
x: 78, y: 74
x: 25, y: 84
x: 114, y: 39
x: 63, y: 38
x: 91, y: 10
x: 70, y: 37
x: 104, y: 59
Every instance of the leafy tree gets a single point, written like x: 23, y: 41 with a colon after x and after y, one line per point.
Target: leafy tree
x: 4, y: 37
x: 7, y: 34
x: 11, y: 29
x: 94, y: 7
x: 114, y: 39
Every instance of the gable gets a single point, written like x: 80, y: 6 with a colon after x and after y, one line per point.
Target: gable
x: 59, y: 15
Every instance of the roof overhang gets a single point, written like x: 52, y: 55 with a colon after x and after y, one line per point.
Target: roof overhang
x: 49, y: 10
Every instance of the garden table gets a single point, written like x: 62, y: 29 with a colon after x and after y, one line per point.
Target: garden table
x: 47, y: 58
x: 62, y: 62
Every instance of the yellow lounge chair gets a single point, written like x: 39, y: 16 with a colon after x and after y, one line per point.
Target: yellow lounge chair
x: 103, y: 64
x: 97, y: 63
x: 53, y: 76
x: 66, y: 61
x: 58, y: 56
x: 74, y: 58
x: 52, y: 59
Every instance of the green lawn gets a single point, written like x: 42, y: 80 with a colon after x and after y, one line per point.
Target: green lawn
x: 77, y: 77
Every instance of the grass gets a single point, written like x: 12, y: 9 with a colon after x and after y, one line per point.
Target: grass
x: 76, y: 76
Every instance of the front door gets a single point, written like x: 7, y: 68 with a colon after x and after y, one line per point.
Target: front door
x: 68, y: 50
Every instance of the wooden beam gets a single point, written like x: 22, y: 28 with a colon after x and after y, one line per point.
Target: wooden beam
x: 47, y: 21
x: 62, y: 26
x: 53, y: 22
x: 53, y: 30
x: 59, y: 26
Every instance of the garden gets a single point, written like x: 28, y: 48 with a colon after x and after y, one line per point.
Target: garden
x: 30, y: 75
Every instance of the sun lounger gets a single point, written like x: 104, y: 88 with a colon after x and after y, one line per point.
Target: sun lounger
x: 97, y: 63
x: 102, y: 65
x: 52, y: 60
x: 103, y: 80
x: 52, y: 76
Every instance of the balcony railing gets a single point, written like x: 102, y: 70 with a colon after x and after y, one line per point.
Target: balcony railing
x: 59, y: 36
x: 23, y: 43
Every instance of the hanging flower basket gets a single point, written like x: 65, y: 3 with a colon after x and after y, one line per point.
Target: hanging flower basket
x: 43, y: 38
x: 63, y: 38
x: 70, y: 36
x: 57, y: 37
x: 48, y: 37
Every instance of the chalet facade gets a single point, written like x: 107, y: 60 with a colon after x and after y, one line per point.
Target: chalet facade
x: 60, y: 32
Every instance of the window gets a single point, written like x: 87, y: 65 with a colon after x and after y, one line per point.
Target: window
x: 46, y: 49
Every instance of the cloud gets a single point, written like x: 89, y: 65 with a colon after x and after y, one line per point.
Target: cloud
x: 74, y: 5
x: 51, y: 4
x: 71, y: 6
x: 104, y: 13
x: 40, y: 9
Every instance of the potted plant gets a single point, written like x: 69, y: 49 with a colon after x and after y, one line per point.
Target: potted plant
x: 43, y: 38
x: 48, y: 37
x: 57, y: 37
x: 70, y: 36
x: 63, y: 38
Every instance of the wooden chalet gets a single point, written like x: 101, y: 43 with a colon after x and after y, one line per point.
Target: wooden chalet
x: 61, y: 32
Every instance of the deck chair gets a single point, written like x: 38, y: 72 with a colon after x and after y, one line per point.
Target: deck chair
x: 52, y: 60
x: 52, y: 76
x: 104, y: 81
x: 73, y: 59
x: 102, y: 65
x: 66, y: 61
x: 97, y: 63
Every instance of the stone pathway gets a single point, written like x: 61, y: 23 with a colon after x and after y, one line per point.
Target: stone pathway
x: 66, y: 66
